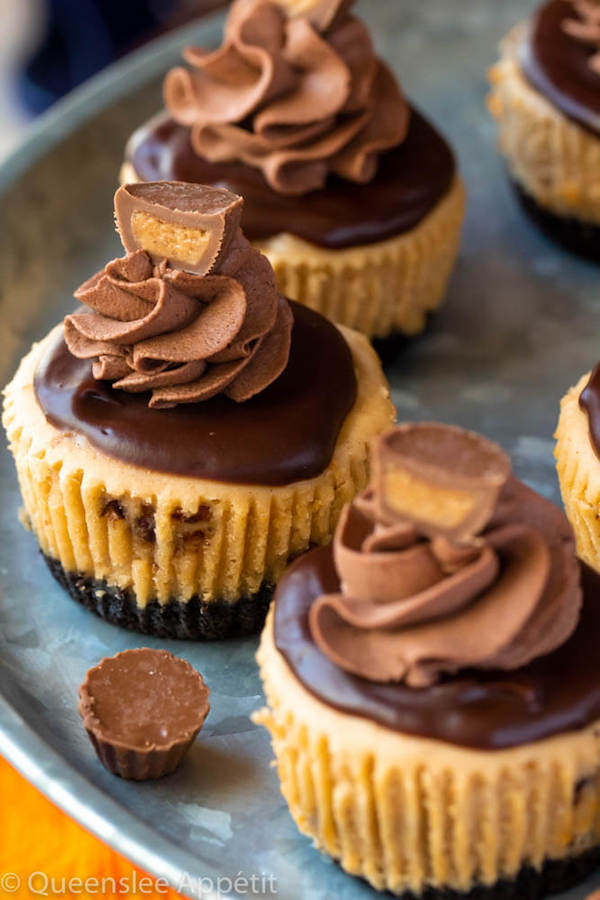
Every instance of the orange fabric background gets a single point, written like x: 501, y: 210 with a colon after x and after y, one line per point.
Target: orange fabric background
x: 35, y: 836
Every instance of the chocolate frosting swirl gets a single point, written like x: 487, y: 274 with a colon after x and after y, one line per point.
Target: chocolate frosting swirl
x: 182, y: 336
x: 297, y: 97
x: 417, y: 603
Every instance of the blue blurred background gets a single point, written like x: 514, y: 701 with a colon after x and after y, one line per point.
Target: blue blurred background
x: 48, y: 47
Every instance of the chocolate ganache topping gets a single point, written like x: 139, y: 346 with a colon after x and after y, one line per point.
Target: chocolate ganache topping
x: 192, y: 311
x: 589, y: 402
x: 440, y: 570
x: 560, y: 57
x: 585, y: 27
x: 297, y: 96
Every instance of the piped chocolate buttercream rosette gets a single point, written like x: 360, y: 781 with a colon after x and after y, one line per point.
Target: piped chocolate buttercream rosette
x: 296, y: 90
x: 192, y: 310
x: 444, y: 567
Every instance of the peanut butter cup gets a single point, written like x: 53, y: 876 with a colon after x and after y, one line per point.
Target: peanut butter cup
x: 351, y: 193
x: 188, y: 430
x: 142, y: 710
x: 437, y: 686
x: 546, y: 98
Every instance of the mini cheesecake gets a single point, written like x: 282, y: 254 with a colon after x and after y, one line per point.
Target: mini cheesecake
x: 188, y: 431
x: 432, y: 680
x: 349, y: 190
x: 546, y: 99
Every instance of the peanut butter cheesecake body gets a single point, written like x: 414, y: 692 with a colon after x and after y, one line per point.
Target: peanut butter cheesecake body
x: 351, y: 193
x: 432, y: 680
x: 188, y: 431
x: 546, y: 99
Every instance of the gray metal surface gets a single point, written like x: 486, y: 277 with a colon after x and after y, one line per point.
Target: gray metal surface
x: 520, y: 326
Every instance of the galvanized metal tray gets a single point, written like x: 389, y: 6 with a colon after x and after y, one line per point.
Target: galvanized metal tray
x: 520, y: 326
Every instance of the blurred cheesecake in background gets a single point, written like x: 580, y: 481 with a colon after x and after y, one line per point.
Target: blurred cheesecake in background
x: 353, y: 195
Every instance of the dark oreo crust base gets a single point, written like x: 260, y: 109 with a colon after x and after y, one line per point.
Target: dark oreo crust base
x: 391, y: 348
x: 574, y: 235
x: 554, y: 877
x: 195, y: 620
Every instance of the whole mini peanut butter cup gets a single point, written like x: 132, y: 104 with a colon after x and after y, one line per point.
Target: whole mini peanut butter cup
x: 142, y: 710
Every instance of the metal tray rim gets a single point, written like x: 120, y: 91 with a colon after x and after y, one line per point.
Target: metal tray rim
x: 98, y: 92
x: 41, y: 765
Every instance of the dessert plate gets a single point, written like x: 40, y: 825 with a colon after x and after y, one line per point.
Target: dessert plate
x: 519, y: 327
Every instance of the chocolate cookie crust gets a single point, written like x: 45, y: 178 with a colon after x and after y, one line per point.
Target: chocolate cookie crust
x: 195, y: 620
x: 555, y: 876
x: 575, y: 235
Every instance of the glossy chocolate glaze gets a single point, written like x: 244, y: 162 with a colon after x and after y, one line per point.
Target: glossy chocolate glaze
x: 284, y: 434
x: 411, y: 180
x: 589, y: 401
x: 484, y: 710
x: 557, y: 65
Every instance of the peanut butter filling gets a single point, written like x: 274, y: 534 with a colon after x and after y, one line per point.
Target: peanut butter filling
x: 161, y: 238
